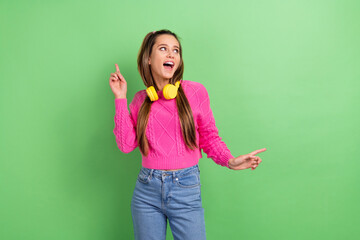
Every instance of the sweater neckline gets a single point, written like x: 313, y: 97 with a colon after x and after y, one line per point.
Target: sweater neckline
x: 160, y: 92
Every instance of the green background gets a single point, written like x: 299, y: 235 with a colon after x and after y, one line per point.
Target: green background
x: 281, y: 75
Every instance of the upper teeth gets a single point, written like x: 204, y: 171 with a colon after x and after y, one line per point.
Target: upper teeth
x: 170, y: 63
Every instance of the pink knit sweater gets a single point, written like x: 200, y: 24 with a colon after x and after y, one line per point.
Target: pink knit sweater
x: 167, y: 149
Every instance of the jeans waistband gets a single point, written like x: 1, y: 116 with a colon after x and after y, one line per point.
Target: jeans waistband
x: 178, y: 173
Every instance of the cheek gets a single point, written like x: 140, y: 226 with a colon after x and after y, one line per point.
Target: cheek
x: 178, y: 64
x: 154, y: 62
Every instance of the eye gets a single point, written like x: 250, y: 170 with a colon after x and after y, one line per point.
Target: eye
x: 175, y: 50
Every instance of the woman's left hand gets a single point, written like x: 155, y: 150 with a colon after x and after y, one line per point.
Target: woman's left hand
x: 246, y: 161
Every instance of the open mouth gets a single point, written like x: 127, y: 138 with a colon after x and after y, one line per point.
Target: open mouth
x: 168, y: 65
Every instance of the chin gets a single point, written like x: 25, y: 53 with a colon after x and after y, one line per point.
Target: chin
x: 168, y: 76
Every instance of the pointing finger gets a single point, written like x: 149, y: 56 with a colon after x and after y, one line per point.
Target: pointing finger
x: 258, y: 151
x: 117, y: 67
x: 120, y: 76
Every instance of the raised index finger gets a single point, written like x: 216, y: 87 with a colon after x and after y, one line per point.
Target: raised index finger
x: 117, y: 67
x: 258, y: 151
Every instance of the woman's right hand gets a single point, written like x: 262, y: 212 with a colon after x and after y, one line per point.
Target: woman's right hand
x: 118, y: 84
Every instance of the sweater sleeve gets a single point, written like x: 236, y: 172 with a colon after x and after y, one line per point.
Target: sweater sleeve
x: 209, y: 139
x: 125, y: 125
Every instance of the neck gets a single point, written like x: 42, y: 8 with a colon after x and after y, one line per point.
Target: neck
x: 161, y: 83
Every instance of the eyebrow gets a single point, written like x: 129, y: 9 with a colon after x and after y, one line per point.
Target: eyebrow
x: 167, y: 45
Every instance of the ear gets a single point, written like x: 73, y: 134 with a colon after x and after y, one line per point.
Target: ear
x: 149, y: 61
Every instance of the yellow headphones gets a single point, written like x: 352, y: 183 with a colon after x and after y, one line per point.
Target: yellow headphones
x: 169, y: 91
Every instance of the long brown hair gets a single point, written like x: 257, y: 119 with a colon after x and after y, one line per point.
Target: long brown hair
x: 182, y: 103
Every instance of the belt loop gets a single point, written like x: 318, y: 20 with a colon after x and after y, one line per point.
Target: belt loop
x: 151, y: 172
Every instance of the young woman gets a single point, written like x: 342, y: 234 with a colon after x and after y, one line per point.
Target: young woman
x: 170, y: 122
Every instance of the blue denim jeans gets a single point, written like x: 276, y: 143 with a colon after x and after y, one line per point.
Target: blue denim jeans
x: 168, y: 195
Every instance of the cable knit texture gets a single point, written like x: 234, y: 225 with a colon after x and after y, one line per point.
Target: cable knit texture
x: 167, y: 146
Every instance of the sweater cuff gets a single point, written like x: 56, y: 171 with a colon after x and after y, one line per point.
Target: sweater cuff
x: 120, y: 103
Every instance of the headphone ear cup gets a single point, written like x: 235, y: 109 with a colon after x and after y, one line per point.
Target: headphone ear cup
x: 170, y: 91
x: 152, y: 93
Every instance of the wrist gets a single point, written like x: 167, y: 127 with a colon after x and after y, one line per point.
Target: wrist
x: 120, y: 97
x: 230, y: 162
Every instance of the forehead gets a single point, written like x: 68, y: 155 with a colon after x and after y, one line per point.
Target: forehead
x: 167, y: 39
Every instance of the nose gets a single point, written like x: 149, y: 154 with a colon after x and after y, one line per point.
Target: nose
x: 171, y: 54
